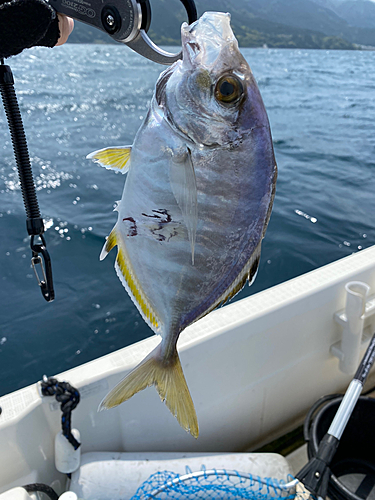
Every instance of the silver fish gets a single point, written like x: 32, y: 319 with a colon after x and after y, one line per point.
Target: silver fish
x: 198, y: 195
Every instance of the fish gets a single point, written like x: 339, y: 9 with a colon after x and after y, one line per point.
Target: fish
x: 198, y: 196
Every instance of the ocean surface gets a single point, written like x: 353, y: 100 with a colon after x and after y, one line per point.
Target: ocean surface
x: 78, y: 98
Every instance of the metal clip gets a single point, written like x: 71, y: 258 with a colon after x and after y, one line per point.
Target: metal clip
x: 139, y: 40
x: 46, y: 284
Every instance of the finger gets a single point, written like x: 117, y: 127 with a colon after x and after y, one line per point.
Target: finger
x: 66, y: 25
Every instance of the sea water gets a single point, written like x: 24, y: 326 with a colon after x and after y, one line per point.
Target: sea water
x: 78, y: 98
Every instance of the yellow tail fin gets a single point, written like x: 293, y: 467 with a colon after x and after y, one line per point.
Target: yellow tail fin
x: 169, y: 382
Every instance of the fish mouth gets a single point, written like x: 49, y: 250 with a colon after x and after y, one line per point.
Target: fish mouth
x: 203, y: 40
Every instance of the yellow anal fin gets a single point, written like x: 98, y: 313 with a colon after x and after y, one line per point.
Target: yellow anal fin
x: 110, y: 243
x: 129, y: 280
x: 170, y: 383
x: 115, y: 158
x: 136, y: 293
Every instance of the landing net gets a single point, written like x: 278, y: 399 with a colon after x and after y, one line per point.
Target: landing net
x: 217, y: 484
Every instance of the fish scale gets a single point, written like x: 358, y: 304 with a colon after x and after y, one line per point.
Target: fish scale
x: 200, y: 184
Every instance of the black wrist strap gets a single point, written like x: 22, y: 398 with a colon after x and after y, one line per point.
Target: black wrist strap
x: 34, y: 223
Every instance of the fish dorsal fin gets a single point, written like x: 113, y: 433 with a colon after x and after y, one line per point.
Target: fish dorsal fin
x: 108, y: 245
x: 116, y: 158
x: 130, y: 281
x: 184, y: 187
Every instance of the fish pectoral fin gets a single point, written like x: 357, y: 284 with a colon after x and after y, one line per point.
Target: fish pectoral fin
x: 170, y: 383
x: 115, y: 158
x: 184, y: 187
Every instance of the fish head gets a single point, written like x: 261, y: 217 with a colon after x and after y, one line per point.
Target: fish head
x: 211, y: 96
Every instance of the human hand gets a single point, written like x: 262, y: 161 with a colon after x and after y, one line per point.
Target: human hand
x: 66, y: 25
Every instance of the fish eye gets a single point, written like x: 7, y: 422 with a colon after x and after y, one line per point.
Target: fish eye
x: 228, y: 89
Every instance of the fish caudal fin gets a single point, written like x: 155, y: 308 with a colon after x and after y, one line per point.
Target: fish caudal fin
x: 170, y: 383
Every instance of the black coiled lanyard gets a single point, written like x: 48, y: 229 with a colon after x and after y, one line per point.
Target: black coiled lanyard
x: 34, y: 222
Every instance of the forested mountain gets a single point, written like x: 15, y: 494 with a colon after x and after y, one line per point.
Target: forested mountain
x: 359, y: 13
